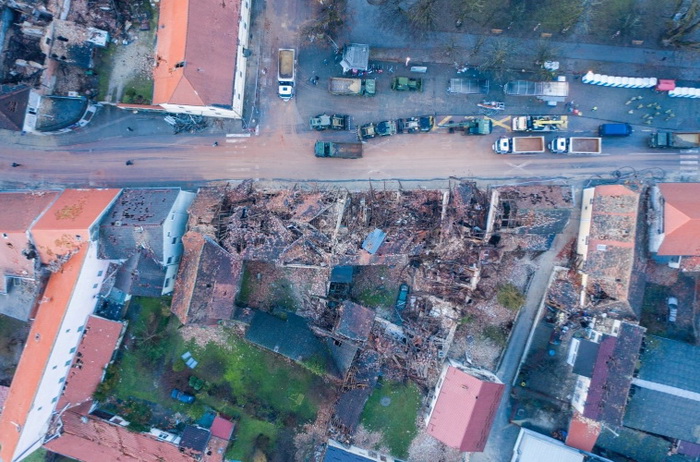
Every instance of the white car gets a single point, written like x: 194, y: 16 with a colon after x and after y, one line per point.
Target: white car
x: 672, y: 303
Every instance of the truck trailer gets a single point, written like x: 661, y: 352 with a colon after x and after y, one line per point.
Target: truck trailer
x: 468, y: 86
x: 338, y: 150
x: 286, y: 73
x: 675, y: 140
x: 576, y: 145
x: 352, y: 87
x: 519, y: 145
x: 539, y: 123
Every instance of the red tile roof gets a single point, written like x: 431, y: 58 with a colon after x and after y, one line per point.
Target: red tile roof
x: 37, y: 351
x: 681, y: 219
x: 94, y: 354
x: 583, y: 433
x: 464, y: 411
x: 196, y: 52
x: 20, y: 211
x: 222, y: 428
x: 67, y: 222
x: 89, y: 439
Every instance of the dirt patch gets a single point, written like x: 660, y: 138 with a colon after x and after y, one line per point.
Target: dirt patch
x: 130, y: 63
x: 266, y: 286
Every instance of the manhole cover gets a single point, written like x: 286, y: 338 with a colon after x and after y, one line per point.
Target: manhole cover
x: 385, y: 401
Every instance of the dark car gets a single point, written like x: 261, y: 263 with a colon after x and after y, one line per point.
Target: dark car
x: 181, y: 396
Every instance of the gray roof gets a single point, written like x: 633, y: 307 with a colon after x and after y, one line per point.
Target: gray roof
x: 195, y: 438
x: 634, y: 444
x: 136, y: 220
x: 671, y: 363
x: 355, y: 56
x: 355, y: 321
x: 342, y: 274
x: 586, y: 358
x: 148, y: 277
x: 664, y: 414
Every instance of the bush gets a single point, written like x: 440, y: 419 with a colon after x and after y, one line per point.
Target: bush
x: 496, y: 334
x: 179, y: 365
x: 104, y: 389
x: 510, y: 297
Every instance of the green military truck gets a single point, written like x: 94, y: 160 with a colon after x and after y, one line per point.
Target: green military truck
x: 325, y: 121
x: 407, y: 84
x: 338, y: 150
x: 468, y: 125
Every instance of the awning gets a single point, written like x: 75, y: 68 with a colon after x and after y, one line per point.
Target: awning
x: 665, y: 85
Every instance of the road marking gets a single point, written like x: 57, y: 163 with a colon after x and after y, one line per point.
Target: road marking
x: 689, y: 157
x: 519, y: 166
x: 238, y: 135
x: 504, y: 122
x: 235, y: 140
x: 689, y: 162
x: 689, y: 151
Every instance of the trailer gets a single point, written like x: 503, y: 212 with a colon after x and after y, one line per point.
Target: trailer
x: 576, y: 145
x: 539, y: 123
x: 468, y: 125
x: 338, y: 150
x: 519, y: 145
x: 352, y: 86
x: 468, y: 86
x: 675, y: 140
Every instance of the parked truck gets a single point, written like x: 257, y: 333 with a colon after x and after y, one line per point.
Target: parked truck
x: 468, y: 86
x: 576, y: 145
x: 675, y: 140
x: 352, y: 87
x: 519, y: 145
x: 338, y: 150
x: 386, y: 128
x: 469, y: 125
x: 366, y: 131
x: 539, y: 123
x: 407, y: 84
x: 325, y: 121
x: 286, y: 73
x: 415, y: 124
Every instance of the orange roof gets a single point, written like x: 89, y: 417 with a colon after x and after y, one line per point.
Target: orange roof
x: 67, y: 222
x: 681, y: 219
x: 94, y: 354
x: 196, y: 52
x: 37, y: 351
x: 464, y: 411
x: 20, y: 210
x: 583, y: 433
x: 94, y: 440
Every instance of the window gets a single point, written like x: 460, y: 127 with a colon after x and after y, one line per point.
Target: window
x: 54, y: 368
x: 94, y: 286
x: 4, y: 235
x: 68, y: 363
x: 100, y: 273
x: 55, y: 398
x: 39, y: 408
x: 167, y: 282
x: 180, y: 64
x: 61, y: 380
x: 80, y: 329
x: 72, y: 350
x: 170, y: 260
x: 67, y: 330
x: 174, y: 240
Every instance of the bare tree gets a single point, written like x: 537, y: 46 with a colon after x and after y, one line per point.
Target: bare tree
x: 684, y: 24
x: 423, y: 16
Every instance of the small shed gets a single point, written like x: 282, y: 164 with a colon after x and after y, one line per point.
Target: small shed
x: 194, y: 438
x: 355, y: 57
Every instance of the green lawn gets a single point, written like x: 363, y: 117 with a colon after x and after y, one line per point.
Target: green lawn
x: 263, y: 390
x: 397, y: 421
x: 247, y: 432
x: 138, y: 90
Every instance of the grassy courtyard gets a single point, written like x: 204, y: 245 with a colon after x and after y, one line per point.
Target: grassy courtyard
x: 394, y: 417
x: 262, y: 391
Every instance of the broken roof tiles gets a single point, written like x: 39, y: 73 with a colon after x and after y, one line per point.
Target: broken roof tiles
x: 99, y: 340
x: 69, y: 221
x: 207, y: 282
x: 355, y: 321
x: 583, y: 433
x: 13, y: 106
x: 90, y: 439
x: 196, y: 52
x: 612, y: 374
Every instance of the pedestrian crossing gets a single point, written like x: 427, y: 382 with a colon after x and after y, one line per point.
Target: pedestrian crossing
x: 689, y: 164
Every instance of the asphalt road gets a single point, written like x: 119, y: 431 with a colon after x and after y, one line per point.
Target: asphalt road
x: 285, y: 154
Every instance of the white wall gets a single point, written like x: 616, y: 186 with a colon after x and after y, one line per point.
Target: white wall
x: 578, y: 399
x: 81, y: 305
x: 207, y: 111
x: 241, y: 61
x: 173, y: 229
